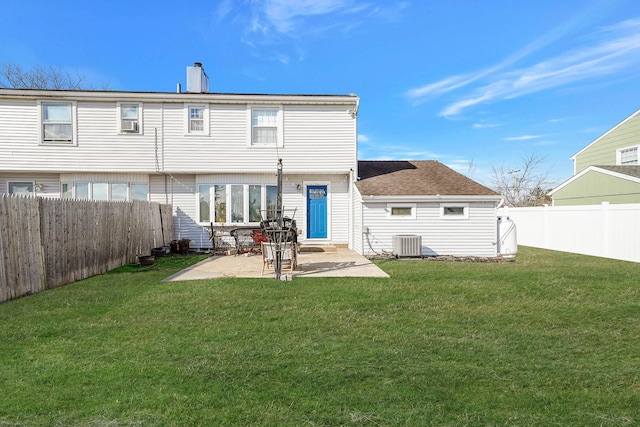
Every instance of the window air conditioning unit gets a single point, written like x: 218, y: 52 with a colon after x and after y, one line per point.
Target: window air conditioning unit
x: 407, y: 245
x: 129, y: 126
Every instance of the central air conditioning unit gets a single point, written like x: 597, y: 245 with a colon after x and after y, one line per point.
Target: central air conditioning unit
x: 405, y: 245
x: 129, y: 126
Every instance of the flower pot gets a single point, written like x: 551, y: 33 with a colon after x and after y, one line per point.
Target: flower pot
x: 146, y: 259
x: 158, y: 252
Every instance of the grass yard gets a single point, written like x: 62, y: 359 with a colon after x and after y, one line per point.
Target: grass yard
x: 552, y: 339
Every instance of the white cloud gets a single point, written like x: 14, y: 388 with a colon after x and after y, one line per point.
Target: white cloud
x: 300, y: 19
x: 484, y: 125
x: 522, y: 137
x: 618, y: 49
x: 223, y: 9
x: 363, y: 138
x: 284, y: 14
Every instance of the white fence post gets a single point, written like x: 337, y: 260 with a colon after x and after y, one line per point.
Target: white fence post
x: 605, y: 229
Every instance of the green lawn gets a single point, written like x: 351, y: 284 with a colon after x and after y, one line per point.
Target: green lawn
x: 552, y: 339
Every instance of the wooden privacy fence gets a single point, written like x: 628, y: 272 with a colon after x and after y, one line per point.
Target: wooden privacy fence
x: 605, y: 230
x: 46, y: 243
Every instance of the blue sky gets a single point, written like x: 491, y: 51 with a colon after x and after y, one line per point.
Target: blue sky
x: 469, y: 83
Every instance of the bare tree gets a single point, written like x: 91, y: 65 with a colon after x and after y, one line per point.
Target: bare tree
x: 524, y: 185
x: 14, y: 76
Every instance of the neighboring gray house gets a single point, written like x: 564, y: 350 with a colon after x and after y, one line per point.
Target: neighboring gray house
x: 452, y: 214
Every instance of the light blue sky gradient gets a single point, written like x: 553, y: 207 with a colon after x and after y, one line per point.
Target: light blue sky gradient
x: 465, y: 82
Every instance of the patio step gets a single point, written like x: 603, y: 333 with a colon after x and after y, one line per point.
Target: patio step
x: 318, y: 248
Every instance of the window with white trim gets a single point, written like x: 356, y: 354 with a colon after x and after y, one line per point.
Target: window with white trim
x: 454, y: 211
x: 235, y: 203
x: 266, y: 127
x: 628, y: 156
x: 24, y: 188
x: 56, y: 122
x: 129, y: 118
x: 196, y: 119
x: 114, y: 191
x: 401, y: 210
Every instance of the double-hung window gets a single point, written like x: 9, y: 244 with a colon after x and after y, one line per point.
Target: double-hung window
x: 266, y: 127
x: 57, y: 124
x: 196, y: 119
x: 129, y: 118
x: 236, y: 203
x: 628, y: 156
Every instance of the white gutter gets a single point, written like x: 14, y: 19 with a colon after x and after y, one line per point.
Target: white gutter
x: 432, y: 198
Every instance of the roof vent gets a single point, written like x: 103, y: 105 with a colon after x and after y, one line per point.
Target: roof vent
x: 197, y: 79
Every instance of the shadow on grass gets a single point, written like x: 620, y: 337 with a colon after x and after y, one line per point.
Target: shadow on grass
x: 169, y: 262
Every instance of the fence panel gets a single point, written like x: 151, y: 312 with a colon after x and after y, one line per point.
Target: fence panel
x: 610, y: 231
x: 46, y: 243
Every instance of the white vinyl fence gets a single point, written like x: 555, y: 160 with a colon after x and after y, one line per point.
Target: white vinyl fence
x: 610, y: 231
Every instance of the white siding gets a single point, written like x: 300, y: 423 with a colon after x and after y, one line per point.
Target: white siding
x: 475, y: 236
x: 321, y: 139
x: 99, y: 146
x: 357, y: 232
x: 18, y: 135
x: 319, y: 146
x: 316, y: 138
x: 104, y: 177
x: 102, y: 148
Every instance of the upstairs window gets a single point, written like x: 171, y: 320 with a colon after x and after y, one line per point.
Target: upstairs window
x: 129, y: 118
x: 196, y: 119
x: 628, y: 156
x: 266, y: 127
x: 57, y: 122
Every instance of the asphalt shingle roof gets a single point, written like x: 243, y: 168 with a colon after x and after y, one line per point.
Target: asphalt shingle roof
x: 415, y: 178
x: 631, y: 170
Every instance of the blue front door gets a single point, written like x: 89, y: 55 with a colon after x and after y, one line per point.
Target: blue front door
x: 317, y: 211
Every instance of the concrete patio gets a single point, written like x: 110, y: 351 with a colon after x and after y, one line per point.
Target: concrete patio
x: 339, y: 262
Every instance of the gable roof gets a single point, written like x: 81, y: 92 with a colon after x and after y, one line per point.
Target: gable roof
x: 415, y: 178
x: 606, y: 133
x: 629, y: 173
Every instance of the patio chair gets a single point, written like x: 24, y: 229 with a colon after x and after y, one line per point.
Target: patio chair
x: 269, y: 256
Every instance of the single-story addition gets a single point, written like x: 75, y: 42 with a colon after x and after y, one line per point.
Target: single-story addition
x: 399, y: 204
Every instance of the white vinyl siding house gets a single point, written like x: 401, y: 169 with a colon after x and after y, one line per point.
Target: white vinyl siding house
x: 214, y: 158
x: 166, y: 147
